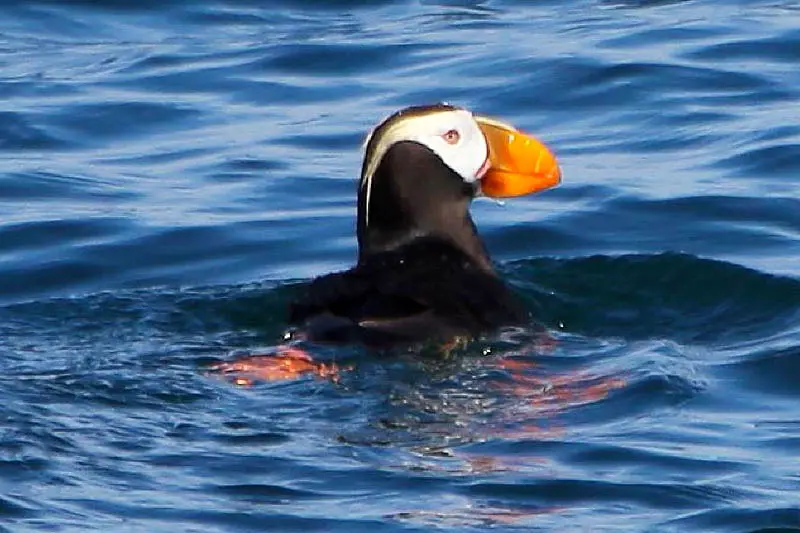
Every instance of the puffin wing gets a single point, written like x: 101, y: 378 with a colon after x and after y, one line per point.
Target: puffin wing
x: 412, y: 299
x: 344, y: 308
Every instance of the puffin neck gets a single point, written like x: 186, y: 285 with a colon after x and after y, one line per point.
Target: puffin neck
x: 414, y: 195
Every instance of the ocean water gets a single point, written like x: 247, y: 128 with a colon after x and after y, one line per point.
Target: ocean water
x: 170, y: 171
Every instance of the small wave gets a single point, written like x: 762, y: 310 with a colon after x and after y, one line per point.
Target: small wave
x: 670, y: 295
x: 768, y: 520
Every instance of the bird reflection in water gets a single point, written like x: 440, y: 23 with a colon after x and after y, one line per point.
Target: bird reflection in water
x: 545, y: 393
x: 532, y: 399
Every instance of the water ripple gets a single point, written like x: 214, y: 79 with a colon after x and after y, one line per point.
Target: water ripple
x: 171, y: 172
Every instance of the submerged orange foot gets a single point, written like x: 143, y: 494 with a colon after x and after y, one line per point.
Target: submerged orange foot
x: 287, y: 363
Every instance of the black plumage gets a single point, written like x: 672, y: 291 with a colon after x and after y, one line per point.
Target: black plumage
x: 423, y: 273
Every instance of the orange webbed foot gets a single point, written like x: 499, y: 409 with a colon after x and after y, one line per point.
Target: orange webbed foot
x: 287, y: 363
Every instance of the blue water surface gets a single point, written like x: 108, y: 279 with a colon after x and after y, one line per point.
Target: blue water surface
x: 169, y: 171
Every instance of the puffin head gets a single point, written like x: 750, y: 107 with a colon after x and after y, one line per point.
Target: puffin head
x: 422, y: 167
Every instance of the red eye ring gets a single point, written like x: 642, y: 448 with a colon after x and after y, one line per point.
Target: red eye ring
x: 451, y: 137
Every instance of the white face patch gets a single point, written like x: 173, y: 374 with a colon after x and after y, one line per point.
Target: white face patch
x: 466, y: 156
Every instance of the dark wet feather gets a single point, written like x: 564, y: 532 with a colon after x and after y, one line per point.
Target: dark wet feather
x: 425, y: 290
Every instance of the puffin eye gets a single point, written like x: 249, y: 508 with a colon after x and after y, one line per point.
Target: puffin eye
x: 451, y: 137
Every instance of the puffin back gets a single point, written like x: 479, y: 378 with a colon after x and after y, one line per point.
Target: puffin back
x: 426, y: 290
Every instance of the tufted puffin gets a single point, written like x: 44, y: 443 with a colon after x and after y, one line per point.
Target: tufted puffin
x: 423, y: 274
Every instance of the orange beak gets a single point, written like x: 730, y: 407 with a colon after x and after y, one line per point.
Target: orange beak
x: 519, y: 164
